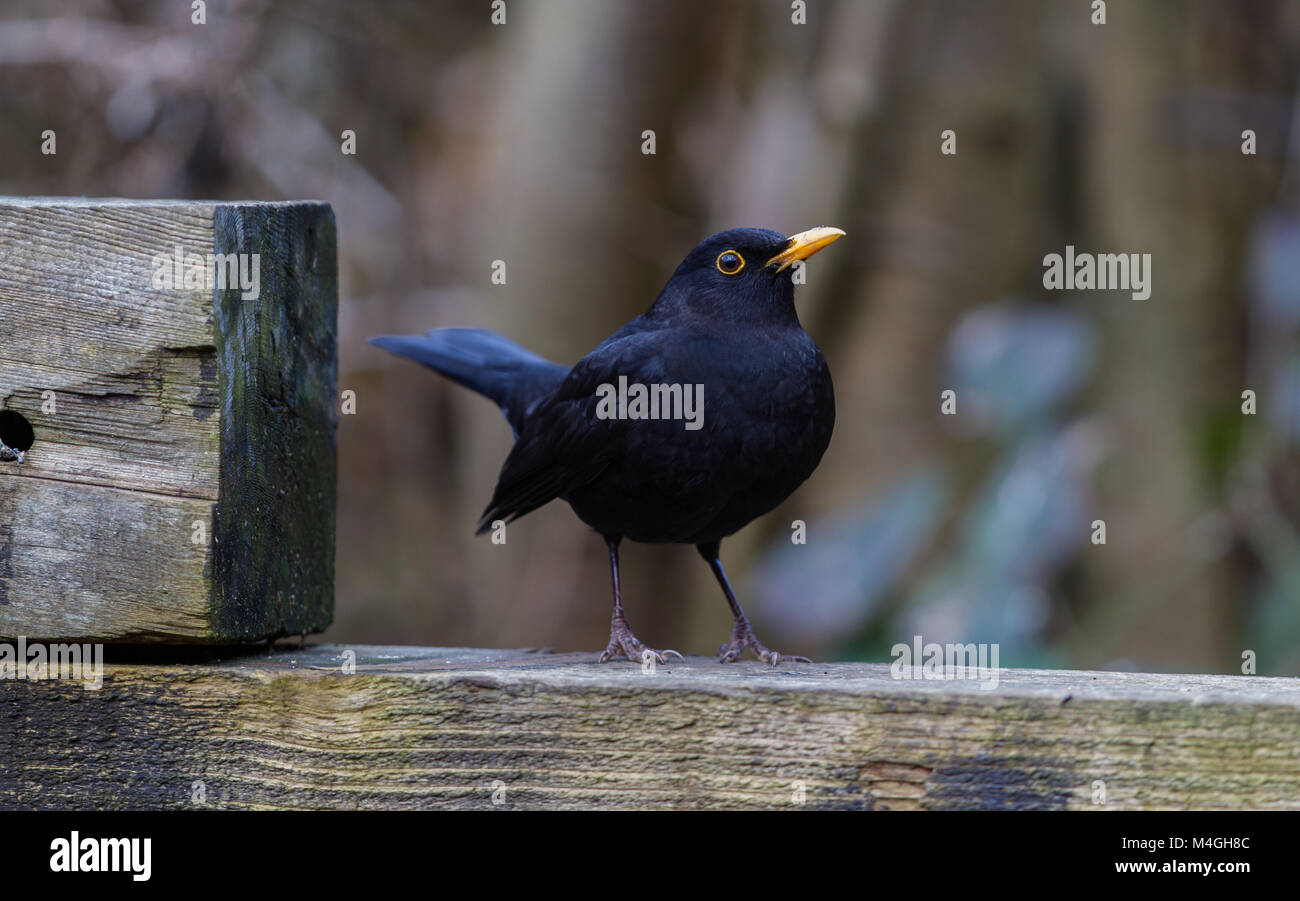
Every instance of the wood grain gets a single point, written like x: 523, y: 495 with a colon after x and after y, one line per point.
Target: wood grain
x: 123, y: 381
x: 448, y: 728
x: 79, y: 316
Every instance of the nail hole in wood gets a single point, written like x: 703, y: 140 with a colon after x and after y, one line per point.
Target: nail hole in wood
x: 16, y: 436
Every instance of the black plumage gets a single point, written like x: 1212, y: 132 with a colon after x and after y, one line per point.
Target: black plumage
x: 725, y: 321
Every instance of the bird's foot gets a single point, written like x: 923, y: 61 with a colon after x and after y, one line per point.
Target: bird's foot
x: 623, y: 643
x: 742, y: 636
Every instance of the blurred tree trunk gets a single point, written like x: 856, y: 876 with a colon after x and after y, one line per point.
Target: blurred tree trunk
x: 1167, y: 177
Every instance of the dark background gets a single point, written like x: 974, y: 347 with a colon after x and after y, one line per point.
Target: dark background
x: 522, y: 142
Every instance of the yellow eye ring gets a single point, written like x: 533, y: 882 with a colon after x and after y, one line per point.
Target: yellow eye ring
x: 733, y: 264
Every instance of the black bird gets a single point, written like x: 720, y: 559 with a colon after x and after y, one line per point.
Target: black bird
x: 724, y: 325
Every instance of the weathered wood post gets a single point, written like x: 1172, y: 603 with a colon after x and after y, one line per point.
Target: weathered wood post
x: 176, y: 364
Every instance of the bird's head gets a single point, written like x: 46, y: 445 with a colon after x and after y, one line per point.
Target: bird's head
x: 742, y: 272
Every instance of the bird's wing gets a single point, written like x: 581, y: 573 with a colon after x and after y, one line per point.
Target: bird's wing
x: 563, y: 444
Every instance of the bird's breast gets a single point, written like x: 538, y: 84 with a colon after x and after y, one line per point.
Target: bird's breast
x: 758, y: 421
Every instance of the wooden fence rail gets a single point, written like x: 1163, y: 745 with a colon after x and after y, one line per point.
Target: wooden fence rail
x: 407, y: 727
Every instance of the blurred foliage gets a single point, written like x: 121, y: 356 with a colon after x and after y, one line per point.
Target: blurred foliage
x: 824, y: 590
x: 523, y: 142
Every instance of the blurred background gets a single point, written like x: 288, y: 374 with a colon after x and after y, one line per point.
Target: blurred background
x: 523, y: 142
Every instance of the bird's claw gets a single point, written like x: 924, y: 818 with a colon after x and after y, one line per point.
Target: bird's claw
x: 743, y: 637
x: 637, y: 656
x: 623, y: 643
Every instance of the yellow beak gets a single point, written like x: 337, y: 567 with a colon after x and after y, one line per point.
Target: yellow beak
x: 804, y: 245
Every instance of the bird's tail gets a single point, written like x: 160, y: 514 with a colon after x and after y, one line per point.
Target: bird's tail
x: 483, y: 361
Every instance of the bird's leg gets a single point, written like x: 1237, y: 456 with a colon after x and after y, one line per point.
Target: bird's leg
x: 742, y: 634
x: 621, y: 639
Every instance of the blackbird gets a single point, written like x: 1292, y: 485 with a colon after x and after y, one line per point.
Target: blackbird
x: 699, y: 415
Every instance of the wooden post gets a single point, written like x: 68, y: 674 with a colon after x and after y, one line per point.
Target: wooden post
x: 180, y: 484
x: 378, y: 727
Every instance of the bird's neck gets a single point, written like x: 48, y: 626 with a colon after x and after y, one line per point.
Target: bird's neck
x: 769, y: 309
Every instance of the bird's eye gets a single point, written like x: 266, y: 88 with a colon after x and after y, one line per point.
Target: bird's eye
x: 730, y: 262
